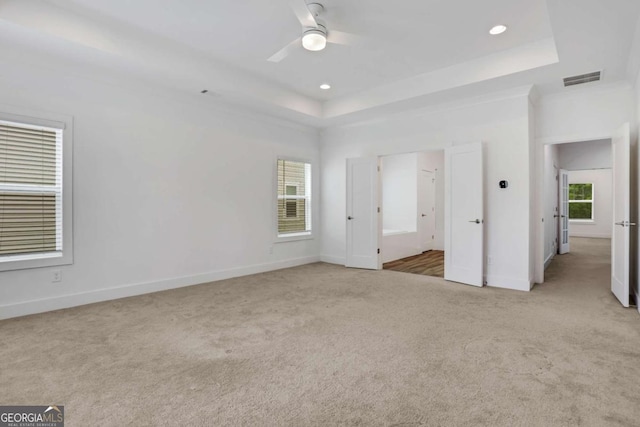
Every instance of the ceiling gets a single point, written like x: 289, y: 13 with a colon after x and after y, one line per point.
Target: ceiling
x: 408, y: 53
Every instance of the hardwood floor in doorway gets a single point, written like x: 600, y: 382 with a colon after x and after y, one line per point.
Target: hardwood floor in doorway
x: 430, y: 263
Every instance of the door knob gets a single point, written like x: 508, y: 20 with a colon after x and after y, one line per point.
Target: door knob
x: 477, y: 221
x: 423, y: 215
x: 349, y: 218
x: 621, y: 223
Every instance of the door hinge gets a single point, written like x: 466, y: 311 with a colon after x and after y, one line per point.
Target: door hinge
x: 378, y: 250
x: 378, y: 168
x: 378, y: 209
x: 433, y: 237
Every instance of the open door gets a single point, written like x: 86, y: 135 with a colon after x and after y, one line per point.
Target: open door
x: 426, y: 210
x: 362, y: 213
x: 621, y: 213
x: 464, y: 198
x: 563, y: 192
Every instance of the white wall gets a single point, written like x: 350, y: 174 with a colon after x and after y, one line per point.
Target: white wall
x: 602, y: 203
x: 399, y: 245
x: 434, y: 161
x: 503, y: 127
x: 400, y: 192
x: 585, y: 155
x: 551, y: 166
x: 167, y: 191
x: 583, y: 115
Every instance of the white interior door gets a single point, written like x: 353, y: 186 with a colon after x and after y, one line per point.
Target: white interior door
x: 362, y: 213
x: 621, y: 215
x: 563, y: 191
x: 464, y: 198
x: 426, y: 210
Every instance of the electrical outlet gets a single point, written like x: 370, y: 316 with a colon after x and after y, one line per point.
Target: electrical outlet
x: 56, y: 277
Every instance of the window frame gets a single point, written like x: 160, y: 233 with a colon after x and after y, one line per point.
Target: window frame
x: 65, y: 123
x: 592, y: 201
x: 291, y: 237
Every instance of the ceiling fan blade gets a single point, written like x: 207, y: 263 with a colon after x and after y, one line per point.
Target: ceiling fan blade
x: 303, y: 14
x: 285, y: 51
x: 347, y: 39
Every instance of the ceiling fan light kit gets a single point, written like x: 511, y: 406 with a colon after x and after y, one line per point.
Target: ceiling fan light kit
x: 315, y: 39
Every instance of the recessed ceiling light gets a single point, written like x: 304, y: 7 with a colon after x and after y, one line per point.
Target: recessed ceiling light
x: 325, y: 86
x: 498, y: 29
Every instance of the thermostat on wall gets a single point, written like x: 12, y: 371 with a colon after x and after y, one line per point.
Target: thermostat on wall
x: 503, y: 184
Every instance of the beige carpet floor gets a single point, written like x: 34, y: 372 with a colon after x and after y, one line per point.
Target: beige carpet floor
x: 324, y: 345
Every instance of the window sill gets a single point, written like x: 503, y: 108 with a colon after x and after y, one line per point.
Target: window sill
x: 24, y: 262
x: 582, y: 221
x: 293, y: 237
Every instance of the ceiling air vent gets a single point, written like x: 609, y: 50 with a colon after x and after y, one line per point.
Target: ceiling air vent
x: 583, y: 78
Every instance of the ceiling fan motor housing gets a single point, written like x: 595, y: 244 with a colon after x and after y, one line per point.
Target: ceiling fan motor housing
x: 315, y: 8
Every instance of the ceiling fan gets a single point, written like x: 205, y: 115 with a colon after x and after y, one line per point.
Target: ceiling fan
x: 315, y: 34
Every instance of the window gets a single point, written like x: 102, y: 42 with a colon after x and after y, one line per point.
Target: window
x: 33, y: 203
x: 294, y: 198
x: 581, y: 202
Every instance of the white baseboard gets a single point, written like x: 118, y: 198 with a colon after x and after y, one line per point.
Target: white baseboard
x: 74, y: 300
x: 509, y: 283
x: 330, y: 259
x: 548, y: 260
x: 591, y: 235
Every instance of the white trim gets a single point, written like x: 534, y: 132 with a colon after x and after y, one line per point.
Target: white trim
x: 100, y: 295
x: 330, y: 259
x: 568, y: 139
x: 549, y: 259
x: 591, y: 235
x: 508, y: 283
x: 293, y: 237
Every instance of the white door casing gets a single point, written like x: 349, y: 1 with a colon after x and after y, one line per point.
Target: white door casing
x: 563, y: 194
x: 464, y: 208
x: 426, y: 210
x: 362, y: 216
x: 620, y: 145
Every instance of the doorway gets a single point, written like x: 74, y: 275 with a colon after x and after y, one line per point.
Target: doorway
x: 586, y: 190
x: 412, y: 211
x: 463, y: 222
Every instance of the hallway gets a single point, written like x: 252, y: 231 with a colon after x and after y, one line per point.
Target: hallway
x: 584, y: 274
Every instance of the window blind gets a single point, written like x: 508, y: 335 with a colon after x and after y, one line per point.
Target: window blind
x: 30, y: 189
